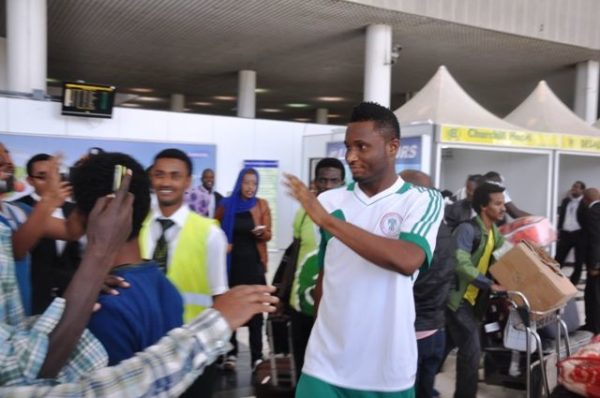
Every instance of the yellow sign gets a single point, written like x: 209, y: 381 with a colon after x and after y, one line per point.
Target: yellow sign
x: 485, y: 136
x: 528, y: 139
x: 580, y: 143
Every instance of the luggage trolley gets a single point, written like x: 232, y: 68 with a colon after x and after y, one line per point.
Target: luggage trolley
x: 528, y: 321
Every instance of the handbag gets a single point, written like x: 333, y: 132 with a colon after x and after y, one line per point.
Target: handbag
x: 514, y: 338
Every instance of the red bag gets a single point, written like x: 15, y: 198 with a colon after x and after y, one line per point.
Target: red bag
x: 535, y: 229
x: 580, y: 373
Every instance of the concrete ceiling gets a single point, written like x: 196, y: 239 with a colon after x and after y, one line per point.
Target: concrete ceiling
x: 301, y: 50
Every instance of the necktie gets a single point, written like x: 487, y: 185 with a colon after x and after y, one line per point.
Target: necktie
x: 161, y: 251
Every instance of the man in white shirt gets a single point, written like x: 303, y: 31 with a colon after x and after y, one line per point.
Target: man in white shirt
x: 570, y: 235
x: 377, y: 232
x: 191, y: 249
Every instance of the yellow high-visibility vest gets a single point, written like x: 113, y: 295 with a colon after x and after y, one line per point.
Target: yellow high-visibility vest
x: 188, y: 268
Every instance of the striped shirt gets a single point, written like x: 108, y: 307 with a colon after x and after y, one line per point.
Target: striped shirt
x: 164, y: 369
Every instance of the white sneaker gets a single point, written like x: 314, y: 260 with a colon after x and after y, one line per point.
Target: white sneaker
x: 256, y: 363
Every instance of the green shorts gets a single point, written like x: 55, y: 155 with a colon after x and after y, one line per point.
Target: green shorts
x: 311, y: 387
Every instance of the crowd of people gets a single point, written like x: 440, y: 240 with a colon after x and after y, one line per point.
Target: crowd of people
x: 118, y: 294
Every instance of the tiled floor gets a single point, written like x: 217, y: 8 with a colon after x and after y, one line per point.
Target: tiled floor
x: 239, y: 384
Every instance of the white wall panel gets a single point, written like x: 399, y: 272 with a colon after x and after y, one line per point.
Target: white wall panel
x: 35, y: 117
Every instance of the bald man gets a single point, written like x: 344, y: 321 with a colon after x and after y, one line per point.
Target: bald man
x: 591, y: 228
x: 431, y: 291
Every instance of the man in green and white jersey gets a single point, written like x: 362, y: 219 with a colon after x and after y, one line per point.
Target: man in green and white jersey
x: 329, y: 174
x: 377, y: 233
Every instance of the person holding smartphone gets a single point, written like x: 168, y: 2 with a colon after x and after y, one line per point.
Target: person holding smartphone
x: 246, y: 221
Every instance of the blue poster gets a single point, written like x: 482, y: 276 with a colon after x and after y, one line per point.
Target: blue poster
x: 23, y: 147
x: 409, y: 155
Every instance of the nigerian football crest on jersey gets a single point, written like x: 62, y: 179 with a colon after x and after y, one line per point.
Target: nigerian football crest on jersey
x: 390, y: 224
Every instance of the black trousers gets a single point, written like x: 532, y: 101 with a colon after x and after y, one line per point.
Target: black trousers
x: 567, y: 241
x: 591, y: 299
x: 255, y: 330
x: 301, y: 327
x: 463, y: 328
x: 203, y: 385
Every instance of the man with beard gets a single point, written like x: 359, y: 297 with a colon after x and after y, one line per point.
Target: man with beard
x: 571, y: 214
x: 476, y: 241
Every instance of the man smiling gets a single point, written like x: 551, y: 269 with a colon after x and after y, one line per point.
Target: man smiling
x: 191, y: 249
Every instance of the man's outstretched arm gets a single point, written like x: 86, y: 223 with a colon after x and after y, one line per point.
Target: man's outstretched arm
x: 171, y: 365
x: 396, y: 255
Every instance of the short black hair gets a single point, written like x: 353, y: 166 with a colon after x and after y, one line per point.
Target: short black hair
x: 331, y: 162
x: 174, y: 153
x: 581, y: 184
x: 93, y: 179
x: 481, y: 196
x: 385, y: 120
x: 40, y: 157
x: 474, y: 178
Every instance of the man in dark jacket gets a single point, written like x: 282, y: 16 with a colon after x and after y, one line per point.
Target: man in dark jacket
x: 53, y: 262
x: 591, y: 226
x: 461, y: 210
x: 431, y: 293
x: 570, y: 234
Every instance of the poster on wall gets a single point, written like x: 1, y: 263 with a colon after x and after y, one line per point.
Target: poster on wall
x: 268, y: 170
x: 23, y: 147
x: 410, y: 155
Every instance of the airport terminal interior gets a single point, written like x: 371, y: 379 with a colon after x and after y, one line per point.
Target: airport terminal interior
x: 485, y: 92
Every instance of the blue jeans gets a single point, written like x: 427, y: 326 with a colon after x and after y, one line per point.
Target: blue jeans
x: 431, y: 353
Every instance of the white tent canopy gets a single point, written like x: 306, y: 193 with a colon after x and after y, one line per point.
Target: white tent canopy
x: 543, y: 111
x: 443, y: 101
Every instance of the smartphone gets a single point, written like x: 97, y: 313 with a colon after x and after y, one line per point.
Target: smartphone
x: 118, y: 175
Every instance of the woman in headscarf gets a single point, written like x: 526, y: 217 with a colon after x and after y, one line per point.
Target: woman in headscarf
x: 246, y: 221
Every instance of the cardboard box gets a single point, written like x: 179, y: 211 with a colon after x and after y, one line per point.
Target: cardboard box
x: 529, y: 270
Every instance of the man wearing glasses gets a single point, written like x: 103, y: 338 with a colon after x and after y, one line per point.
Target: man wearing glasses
x: 53, y: 262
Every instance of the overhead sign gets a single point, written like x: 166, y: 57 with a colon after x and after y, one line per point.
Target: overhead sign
x: 527, y: 139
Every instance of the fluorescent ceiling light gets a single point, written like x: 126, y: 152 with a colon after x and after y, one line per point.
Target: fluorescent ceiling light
x: 150, y: 99
x: 202, y: 103
x: 141, y: 90
x: 224, y: 97
x: 297, y: 105
x: 302, y: 119
x: 261, y: 90
x: 330, y: 99
x: 271, y: 110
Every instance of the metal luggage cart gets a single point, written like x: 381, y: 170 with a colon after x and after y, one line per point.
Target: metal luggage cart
x: 529, y: 322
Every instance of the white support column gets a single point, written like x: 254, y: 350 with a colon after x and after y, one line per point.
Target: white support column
x: 177, y: 102
x: 322, y: 116
x: 378, y: 64
x: 246, y: 105
x: 26, y: 48
x: 586, y: 90
x: 3, y: 64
